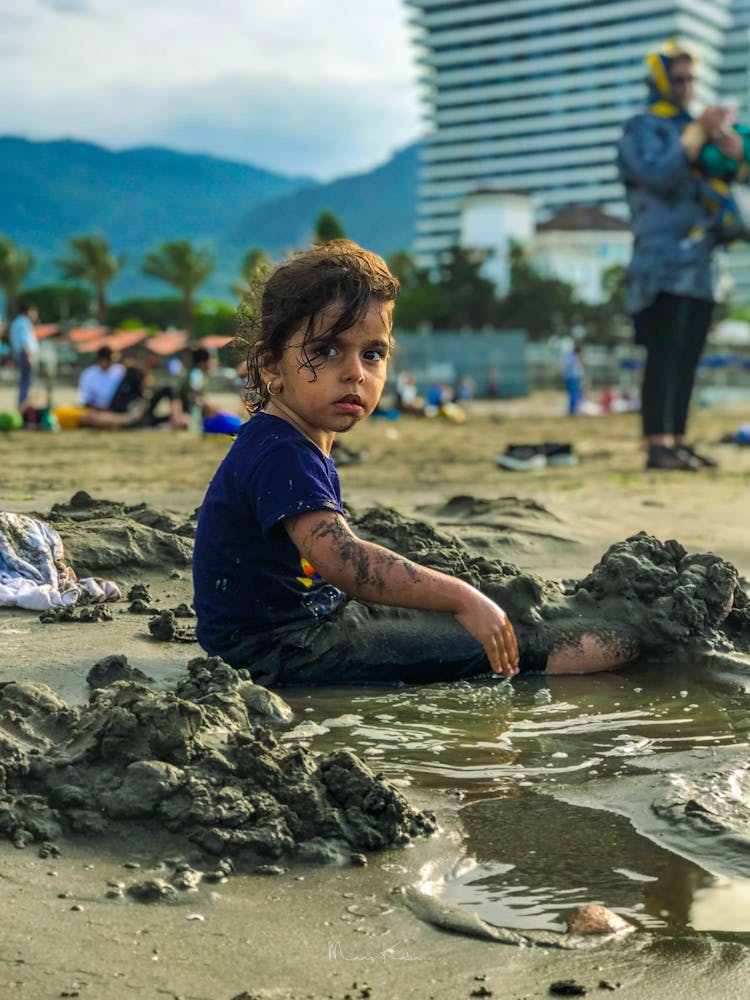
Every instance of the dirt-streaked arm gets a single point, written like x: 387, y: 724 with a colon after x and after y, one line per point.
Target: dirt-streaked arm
x: 373, y: 573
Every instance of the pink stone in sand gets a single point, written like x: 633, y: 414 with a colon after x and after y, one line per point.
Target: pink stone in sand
x: 592, y: 918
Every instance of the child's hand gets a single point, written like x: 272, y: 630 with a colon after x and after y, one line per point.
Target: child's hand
x: 730, y: 145
x: 490, y: 626
x: 715, y: 118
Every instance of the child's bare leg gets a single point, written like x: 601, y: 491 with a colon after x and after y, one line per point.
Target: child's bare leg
x: 589, y: 654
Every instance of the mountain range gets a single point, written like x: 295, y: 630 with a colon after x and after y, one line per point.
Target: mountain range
x: 137, y: 198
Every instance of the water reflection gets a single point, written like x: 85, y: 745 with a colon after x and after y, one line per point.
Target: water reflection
x: 497, y: 745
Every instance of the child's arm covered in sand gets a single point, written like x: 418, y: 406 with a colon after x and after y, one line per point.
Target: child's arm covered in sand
x: 373, y: 573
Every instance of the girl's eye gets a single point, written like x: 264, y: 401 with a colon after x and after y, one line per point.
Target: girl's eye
x: 373, y: 355
x: 325, y: 351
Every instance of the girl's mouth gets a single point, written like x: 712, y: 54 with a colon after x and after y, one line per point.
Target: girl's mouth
x: 349, y: 404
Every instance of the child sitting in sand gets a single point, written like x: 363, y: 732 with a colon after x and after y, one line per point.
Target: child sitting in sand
x: 283, y: 586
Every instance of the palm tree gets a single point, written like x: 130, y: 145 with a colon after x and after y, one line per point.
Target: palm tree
x: 255, y: 265
x: 179, y: 264
x: 15, y: 264
x: 90, y: 260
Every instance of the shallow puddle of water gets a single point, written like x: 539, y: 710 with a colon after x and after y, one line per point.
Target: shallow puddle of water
x: 509, y: 752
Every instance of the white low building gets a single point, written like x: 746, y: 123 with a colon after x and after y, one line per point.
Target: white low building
x: 576, y: 245
x: 491, y: 222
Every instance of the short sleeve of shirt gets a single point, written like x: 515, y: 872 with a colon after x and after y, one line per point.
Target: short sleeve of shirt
x: 294, y: 479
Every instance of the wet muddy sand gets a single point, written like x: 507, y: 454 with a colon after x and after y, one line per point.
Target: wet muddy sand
x: 319, y: 930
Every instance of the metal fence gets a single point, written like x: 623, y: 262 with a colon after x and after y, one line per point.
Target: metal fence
x: 494, y: 360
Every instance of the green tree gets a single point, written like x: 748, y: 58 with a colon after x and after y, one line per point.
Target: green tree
x: 179, y: 264
x: 15, y: 264
x: 327, y: 228
x: 255, y: 266
x: 149, y: 312
x: 543, y: 307
x: 212, y: 316
x: 426, y: 303
x: 90, y: 260
x: 59, y: 302
x: 403, y: 266
x: 460, y: 297
x: 472, y: 297
x: 606, y: 322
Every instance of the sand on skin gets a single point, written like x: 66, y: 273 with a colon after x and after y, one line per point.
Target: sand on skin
x: 410, y: 464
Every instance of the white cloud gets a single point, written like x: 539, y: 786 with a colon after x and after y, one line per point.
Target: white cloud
x: 322, y: 87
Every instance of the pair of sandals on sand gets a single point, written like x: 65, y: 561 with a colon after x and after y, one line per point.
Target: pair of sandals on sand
x: 524, y: 457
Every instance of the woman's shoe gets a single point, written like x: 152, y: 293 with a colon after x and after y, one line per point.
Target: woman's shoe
x: 661, y: 456
x: 685, y: 451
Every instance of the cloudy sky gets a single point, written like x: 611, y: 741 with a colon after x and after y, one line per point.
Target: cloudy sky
x: 317, y: 87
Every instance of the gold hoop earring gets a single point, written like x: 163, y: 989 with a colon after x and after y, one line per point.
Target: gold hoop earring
x: 268, y: 388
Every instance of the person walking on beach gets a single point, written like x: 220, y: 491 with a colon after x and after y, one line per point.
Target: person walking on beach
x: 283, y: 586
x: 573, y: 376
x: 676, y: 221
x: 24, y: 348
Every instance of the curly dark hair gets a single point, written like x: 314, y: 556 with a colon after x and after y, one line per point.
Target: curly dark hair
x: 292, y: 297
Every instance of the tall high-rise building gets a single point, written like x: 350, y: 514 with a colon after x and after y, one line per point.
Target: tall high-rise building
x: 530, y: 96
x: 735, y: 82
x: 735, y: 64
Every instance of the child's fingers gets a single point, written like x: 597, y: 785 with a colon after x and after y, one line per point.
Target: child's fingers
x: 506, y: 646
x: 500, y: 656
x: 492, y: 649
x: 511, y: 643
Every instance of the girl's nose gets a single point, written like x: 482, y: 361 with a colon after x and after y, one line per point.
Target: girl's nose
x: 355, y: 369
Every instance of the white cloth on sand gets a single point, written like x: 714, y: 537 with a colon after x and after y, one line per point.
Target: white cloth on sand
x: 33, y: 571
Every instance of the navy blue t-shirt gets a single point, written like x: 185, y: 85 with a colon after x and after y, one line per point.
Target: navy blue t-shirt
x: 248, y: 575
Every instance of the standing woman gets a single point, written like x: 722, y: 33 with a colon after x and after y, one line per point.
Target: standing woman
x: 672, y: 276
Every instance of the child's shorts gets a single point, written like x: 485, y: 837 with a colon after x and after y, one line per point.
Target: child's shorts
x: 371, y: 644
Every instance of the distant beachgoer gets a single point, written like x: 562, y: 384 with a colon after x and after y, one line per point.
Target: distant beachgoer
x: 464, y: 390
x: 408, y: 399
x: 98, y: 383
x: 111, y: 396
x: 200, y: 413
x: 283, y: 586
x: 192, y: 388
x: 48, y: 365
x: 24, y: 348
x: 677, y: 222
x: 573, y: 376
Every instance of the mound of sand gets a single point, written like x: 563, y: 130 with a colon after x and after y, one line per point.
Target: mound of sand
x: 192, y: 762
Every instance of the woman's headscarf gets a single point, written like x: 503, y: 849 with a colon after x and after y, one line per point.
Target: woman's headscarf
x: 660, y: 100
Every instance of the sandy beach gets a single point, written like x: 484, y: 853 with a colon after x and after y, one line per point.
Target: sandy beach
x: 344, y: 931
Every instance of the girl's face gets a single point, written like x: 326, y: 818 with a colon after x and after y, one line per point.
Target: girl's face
x: 346, y: 384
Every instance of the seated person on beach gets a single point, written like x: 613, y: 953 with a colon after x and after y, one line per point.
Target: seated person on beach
x: 283, y: 586
x: 112, y: 396
x: 98, y: 383
x: 97, y: 386
x: 153, y: 407
x: 408, y: 399
x: 196, y: 409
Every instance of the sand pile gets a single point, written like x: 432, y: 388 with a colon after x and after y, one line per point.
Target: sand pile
x: 644, y: 596
x: 120, y: 539
x: 194, y: 762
